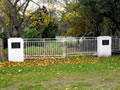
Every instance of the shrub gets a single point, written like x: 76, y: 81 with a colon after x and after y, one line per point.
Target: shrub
x: 1, y: 60
x: 31, y: 33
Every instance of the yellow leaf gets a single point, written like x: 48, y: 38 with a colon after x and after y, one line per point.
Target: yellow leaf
x: 67, y: 89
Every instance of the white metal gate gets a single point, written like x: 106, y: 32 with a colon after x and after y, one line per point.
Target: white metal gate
x: 40, y: 48
x: 51, y: 47
x: 116, y: 45
x: 81, y: 46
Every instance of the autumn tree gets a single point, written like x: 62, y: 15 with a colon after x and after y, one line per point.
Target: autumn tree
x: 76, y: 17
x: 14, y: 16
x: 43, y: 22
x: 95, y: 17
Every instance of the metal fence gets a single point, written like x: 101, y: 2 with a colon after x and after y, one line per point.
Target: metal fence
x: 81, y: 46
x: 115, y: 45
x: 39, y: 48
x: 51, y: 47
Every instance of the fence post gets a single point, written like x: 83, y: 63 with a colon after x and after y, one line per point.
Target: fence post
x: 16, y: 49
x: 104, y: 46
x: 64, y: 47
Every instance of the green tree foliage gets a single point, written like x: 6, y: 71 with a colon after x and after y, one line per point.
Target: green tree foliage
x: 107, y: 14
x: 77, y: 18
x: 43, y: 22
x: 51, y: 30
x: 31, y: 33
x: 93, y: 17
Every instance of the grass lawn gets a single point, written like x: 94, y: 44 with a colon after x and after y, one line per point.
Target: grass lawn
x: 71, y: 73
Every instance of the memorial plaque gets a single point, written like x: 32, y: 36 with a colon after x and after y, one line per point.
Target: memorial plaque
x: 105, y: 42
x: 16, y: 45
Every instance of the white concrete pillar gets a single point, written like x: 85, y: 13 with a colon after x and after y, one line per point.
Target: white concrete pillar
x: 16, y: 49
x: 104, y: 46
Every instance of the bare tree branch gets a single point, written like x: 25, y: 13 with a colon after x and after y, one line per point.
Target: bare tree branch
x: 21, y: 6
x: 35, y: 3
x: 10, y: 3
x: 27, y: 3
x: 15, y: 4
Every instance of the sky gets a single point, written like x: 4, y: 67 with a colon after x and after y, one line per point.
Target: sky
x: 56, y: 5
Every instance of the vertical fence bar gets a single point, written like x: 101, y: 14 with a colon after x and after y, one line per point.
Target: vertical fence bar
x: 25, y: 50
x: 55, y: 49
x: 44, y: 47
x: 26, y: 53
x: 64, y: 48
x: 41, y: 43
x: 51, y: 49
x: 32, y: 48
x: 36, y: 48
x: 39, y: 48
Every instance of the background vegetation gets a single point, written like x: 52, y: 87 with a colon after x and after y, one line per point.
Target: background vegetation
x: 78, y: 18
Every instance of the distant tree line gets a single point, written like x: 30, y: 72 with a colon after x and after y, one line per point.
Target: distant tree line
x: 79, y: 18
x: 92, y: 18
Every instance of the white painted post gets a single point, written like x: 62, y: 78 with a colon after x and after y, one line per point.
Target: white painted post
x: 16, y: 49
x: 104, y: 46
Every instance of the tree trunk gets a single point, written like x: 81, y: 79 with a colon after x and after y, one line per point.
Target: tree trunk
x: 7, y: 32
x: 15, y: 33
